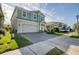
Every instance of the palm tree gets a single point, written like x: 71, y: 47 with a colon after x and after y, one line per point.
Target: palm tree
x: 1, y: 17
x: 77, y: 24
x: 77, y: 27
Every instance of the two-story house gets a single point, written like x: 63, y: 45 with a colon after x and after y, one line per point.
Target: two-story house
x: 25, y: 21
x: 61, y: 26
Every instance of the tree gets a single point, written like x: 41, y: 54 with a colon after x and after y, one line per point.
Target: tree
x: 56, y: 29
x: 7, y: 27
x: 1, y: 20
x: 77, y: 27
x: 1, y: 17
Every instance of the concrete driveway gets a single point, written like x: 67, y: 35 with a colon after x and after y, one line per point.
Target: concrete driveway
x: 37, y: 37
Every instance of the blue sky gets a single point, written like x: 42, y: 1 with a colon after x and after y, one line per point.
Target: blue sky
x: 54, y: 12
x: 68, y: 11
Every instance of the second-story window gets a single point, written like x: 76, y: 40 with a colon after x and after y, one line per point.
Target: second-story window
x: 18, y: 13
x: 24, y: 14
x: 42, y: 18
x: 28, y: 15
x: 34, y: 16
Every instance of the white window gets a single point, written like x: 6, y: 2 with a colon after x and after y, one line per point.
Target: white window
x: 19, y: 13
x: 24, y: 14
x: 34, y: 16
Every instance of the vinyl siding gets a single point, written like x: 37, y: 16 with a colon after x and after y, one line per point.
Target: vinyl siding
x: 30, y: 15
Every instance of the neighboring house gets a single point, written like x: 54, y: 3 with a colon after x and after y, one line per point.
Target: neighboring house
x: 61, y: 26
x: 1, y: 17
x: 25, y: 21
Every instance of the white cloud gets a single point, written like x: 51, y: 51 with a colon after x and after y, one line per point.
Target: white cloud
x: 48, y: 19
x: 61, y: 19
x: 44, y: 5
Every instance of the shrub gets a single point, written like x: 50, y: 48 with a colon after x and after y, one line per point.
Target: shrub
x: 2, y: 32
x: 7, y: 27
x: 3, y: 48
x: 52, y: 31
x: 71, y: 30
x: 6, y: 38
x: 48, y: 32
x: 56, y: 29
x: 13, y: 44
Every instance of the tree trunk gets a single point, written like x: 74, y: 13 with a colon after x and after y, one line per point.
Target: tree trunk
x: 77, y: 31
x: 0, y: 25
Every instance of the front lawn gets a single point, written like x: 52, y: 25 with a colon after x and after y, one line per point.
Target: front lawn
x: 75, y: 35
x: 55, y: 51
x: 7, y: 44
x: 59, y: 33
x: 21, y: 41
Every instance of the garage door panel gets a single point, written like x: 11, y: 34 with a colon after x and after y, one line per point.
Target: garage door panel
x: 30, y: 28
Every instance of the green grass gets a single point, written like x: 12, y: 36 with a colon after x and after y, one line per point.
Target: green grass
x: 7, y: 44
x: 59, y: 33
x: 75, y: 36
x: 21, y: 41
x: 75, y: 41
x: 55, y: 51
